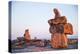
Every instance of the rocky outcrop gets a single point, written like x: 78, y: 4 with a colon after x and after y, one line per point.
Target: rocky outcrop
x: 59, y: 28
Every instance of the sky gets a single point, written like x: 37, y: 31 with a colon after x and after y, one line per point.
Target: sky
x: 35, y: 15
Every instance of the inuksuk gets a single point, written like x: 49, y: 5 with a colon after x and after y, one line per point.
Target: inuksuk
x: 59, y: 29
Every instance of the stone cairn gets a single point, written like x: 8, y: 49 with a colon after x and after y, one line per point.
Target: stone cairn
x: 27, y: 36
x: 59, y: 28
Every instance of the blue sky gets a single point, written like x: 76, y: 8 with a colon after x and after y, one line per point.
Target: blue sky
x: 35, y: 16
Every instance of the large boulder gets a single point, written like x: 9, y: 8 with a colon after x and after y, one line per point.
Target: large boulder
x: 68, y: 29
x: 59, y: 20
x: 56, y: 28
x: 59, y: 40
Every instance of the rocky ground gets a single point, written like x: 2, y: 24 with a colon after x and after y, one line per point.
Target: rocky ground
x: 39, y: 49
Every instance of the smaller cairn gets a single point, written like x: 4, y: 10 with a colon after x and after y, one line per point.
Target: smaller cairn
x: 27, y: 35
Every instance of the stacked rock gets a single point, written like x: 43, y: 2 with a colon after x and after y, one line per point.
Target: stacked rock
x: 27, y: 36
x: 59, y: 28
